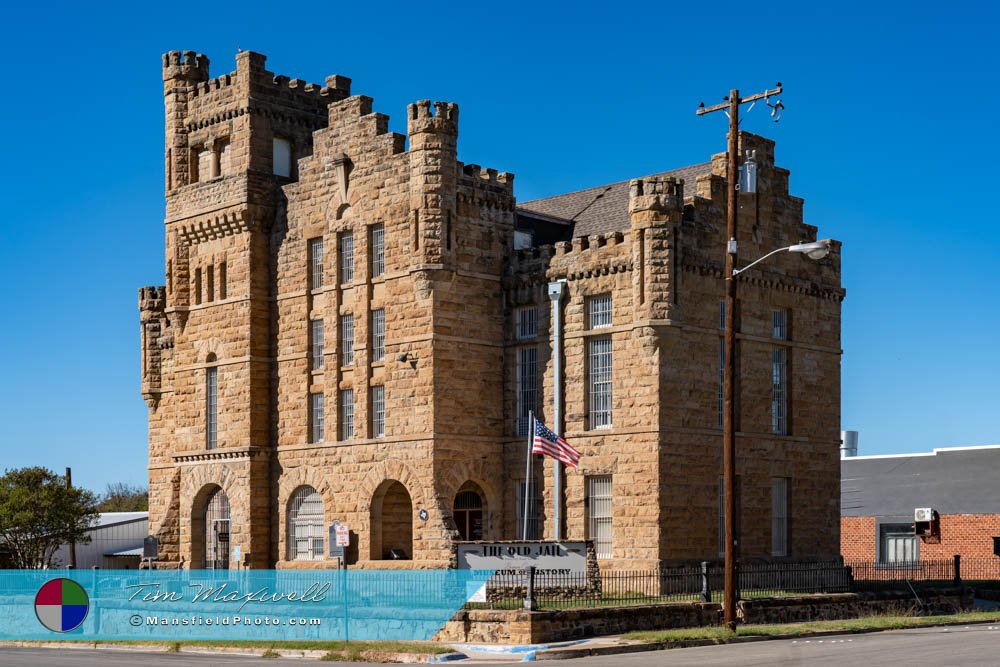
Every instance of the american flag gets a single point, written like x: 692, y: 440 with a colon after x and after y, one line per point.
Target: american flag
x: 548, y: 443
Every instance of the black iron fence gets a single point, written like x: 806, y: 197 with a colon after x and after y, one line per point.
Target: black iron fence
x: 705, y: 583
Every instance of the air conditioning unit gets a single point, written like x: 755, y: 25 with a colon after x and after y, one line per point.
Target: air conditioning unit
x: 922, y: 514
x: 927, y: 525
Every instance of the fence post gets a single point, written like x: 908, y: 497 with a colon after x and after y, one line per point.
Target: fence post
x: 529, y: 594
x: 958, y: 570
x: 706, y: 591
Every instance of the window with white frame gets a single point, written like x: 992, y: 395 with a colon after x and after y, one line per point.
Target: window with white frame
x: 527, y: 386
x: 779, y: 516
x: 346, y: 414
x: 599, y: 311
x: 599, y: 514
x: 211, y: 407
x: 526, y: 322
x: 779, y: 391
x: 315, y: 247
x: 599, y: 381
x: 898, y: 543
x: 346, y: 246
x: 305, y: 525
x: 378, y: 250
x: 378, y: 411
x: 316, y: 418
x: 346, y: 340
x: 316, y: 344
x: 531, y: 512
x: 281, y: 153
x: 378, y: 334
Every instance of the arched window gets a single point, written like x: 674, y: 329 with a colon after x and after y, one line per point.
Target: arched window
x: 468, y: 511
x: 305, y: 525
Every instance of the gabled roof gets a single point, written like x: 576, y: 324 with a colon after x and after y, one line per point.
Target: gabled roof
x: 604, y: 209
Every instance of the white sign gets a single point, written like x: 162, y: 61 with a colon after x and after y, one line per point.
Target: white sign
x: 343, y: 535
x: 558, y: 562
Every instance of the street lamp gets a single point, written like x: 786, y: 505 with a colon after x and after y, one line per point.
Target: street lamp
x: 812, y: 250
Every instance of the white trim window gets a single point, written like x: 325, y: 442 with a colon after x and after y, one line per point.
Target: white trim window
x: 898, y: 543
x: 378, y: 250
x: 527, y: 386
x: 315, y: 247
x: 525, y: 322
x: 378, y: 411
x: 346, y: 340
x: 316, y: 344
x: 779, y: 516
x: 317, y: 424
x: 599, y: 311
x: 305, y: 525
x: 346, y: 247
x: 346, y: 414
x: 599, y: 514
x: 378, y: 335
x: 599, y: 381
x: 211, y: 407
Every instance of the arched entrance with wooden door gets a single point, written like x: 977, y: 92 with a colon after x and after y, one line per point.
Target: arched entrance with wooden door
x: 469, y: 510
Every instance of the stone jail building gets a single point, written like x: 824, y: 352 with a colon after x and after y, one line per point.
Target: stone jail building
x: 354, y: 326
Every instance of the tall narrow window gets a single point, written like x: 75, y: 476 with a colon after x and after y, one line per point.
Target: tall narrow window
x: 225, y: 158
x: 599, y: 382
x: 378, y: 335
x: 346, y: 245
x: 210, y: 280
x: 599, y: 311
x: 315, y: 263
x: 223, y: 290
x: 378, y: 411
x: 779, y: 516
x: 211, y: 407
x: 197, y: 287
x: 528, y: 514
x: 378, y: 250
x: 779, y: 324
x: 282, y: 157
x: 526, y: 322
x: 305, y: 525
x: 316, y: 344
x: 527, y: 387
x: 599, y: 514
x: 316, y: 418
x: 779, y: 391
x: 346, y: 340
x: 346, y: 414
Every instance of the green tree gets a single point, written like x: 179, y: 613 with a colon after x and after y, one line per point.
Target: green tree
x: 122, y: 497
x: 38, y: 513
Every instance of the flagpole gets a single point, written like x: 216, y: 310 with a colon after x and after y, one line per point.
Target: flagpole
x: 527, y: 474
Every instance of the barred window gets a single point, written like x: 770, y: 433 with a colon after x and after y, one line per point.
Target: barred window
x: 346, y: 243
x: 378, y: 334
x: 531, y: 512
x: 527, y: 387
x: 316, y: 344
x: 526, y: 322
x: 378, y: 250
x: 346, y: 414
x: 346, y: 340
x: 305, y: 525
x: 378, y: 411
x: 779, y: 324
x: 600, y: 382
x: 779, y: 516
x: 211, y: 407
x: 599, y: 514
x: 316, y: 419
x: 315, y: 263
x: 779, y: 391
x: 599, y: 311
x: 898, y: 543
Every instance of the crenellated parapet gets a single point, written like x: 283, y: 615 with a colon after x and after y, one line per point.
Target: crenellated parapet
x: 443, y: 119
x: 656, y: 208
x: 187, y: 66
x: 582, y: 258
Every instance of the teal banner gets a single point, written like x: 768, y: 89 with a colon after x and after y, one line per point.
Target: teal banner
x: 232, y: 604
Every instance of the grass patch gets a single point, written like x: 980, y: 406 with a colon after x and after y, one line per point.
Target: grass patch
x: 270, y: 653
x: 863, y: 624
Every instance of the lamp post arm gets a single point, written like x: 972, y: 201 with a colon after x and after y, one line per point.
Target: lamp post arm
x: 737, y: 272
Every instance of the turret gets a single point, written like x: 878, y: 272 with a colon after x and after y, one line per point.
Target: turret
x: 433, y: 165
x: 655, y: 208
x: 181, y: 73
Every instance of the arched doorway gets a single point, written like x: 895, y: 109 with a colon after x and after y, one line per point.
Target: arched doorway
x: 216, y: 527
x: 468, y: 512
x: 391, y: 522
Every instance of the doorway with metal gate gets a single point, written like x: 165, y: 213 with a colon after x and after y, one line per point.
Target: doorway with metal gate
x: 217, y: 524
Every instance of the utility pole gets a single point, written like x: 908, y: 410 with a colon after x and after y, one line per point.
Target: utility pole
x: 732, y: 107
x: 72, y: 545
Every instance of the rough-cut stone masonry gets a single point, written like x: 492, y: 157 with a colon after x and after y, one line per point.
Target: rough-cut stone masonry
x: 240, y: 295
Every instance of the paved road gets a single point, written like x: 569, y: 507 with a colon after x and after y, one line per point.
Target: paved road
x: 938, y: 647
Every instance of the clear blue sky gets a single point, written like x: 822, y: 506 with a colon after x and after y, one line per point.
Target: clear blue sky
x: 889, y: 132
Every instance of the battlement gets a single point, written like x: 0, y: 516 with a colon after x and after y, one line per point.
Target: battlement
x: 655, y: 193
x: 153, y: 297
x: 594, y: 242
x: 187, y: 66
x: 444, y: 118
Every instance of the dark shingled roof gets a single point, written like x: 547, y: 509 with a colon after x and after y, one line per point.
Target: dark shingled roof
x: 952, y: 481
x: 604, y: 209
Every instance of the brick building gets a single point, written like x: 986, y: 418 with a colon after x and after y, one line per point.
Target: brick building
x: 879, y: 496
x: 355, y: 324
